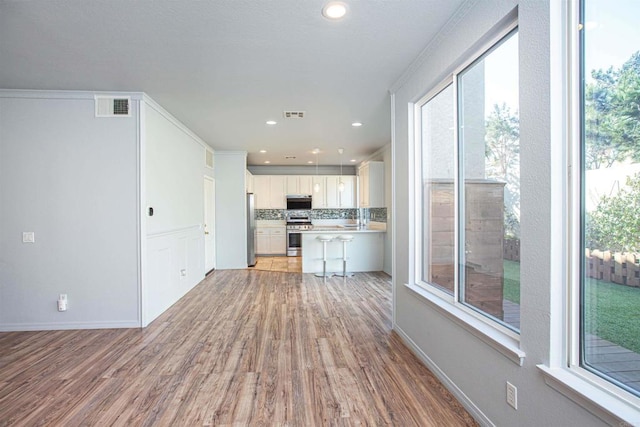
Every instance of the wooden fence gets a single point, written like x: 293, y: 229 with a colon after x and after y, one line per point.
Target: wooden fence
x: 617, y: 267
x: 511, y: 249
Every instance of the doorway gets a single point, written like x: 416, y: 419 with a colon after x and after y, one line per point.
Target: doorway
x: 209, y: 224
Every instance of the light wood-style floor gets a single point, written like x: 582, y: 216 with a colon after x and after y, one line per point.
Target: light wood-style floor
x: 245, y: 347
x: 279, y: 263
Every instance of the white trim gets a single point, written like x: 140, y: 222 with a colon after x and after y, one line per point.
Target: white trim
x: 486, y: 332
x: 171, y: 231
x: 499, y: 33
x: 142, y: 208
x: 230, y: 153
x: 468, y: 404
x: 394, y: 282
x: 177, y: 123
x: 607, y: 406
x: 55, y: 326
x: 451, y: 26
x: 563, y: 373
x: 66, y: 94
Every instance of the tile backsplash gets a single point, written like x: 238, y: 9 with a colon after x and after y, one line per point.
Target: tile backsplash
x: 368, y: 214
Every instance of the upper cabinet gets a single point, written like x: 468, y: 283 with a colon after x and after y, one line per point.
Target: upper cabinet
x: 299, y: 184
x: 277, y: 188
x: 248, y: 184
x: 269, y: 191
x: 330, y: 196
x: 371, y: 189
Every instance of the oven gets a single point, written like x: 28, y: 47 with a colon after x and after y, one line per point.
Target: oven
x: 294, y: 242
x: 296, y: 224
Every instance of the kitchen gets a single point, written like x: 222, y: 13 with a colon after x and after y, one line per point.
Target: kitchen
x: 291, y: 211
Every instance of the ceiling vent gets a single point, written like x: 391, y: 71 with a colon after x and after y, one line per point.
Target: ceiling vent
x: 293, y: 114
x: 113, y: 106
x: 290, y: 157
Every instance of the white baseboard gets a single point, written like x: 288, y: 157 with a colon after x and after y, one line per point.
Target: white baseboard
x: 475, y: 412
x: 58, y: 326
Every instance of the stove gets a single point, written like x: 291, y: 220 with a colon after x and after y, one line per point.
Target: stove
x: 299, y: 222
x: 296, y: 222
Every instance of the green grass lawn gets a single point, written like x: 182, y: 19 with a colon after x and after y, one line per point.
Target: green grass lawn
x: 511, y: 285
x: 613, y: 313
x: 613, y: 310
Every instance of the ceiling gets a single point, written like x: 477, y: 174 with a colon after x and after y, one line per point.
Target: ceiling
x: 225, y: 67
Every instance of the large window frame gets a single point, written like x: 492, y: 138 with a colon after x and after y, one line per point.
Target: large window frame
x: 502, y: 337
x: 564, y: 372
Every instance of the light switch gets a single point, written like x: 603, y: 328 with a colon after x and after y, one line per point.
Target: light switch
x: 28, y: 237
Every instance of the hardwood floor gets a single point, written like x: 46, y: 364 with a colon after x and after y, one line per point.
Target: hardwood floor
x: 244, y: 347
x: 279, y: 263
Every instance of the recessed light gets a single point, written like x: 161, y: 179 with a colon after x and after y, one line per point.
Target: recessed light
x: 356, y: 124
x: 271, y: 122
x: 267, y: 161
x: 315, y: 151
x: 263, y: 151
x: 310, y: 162
x: 334, y: 10
x: 352, y: 160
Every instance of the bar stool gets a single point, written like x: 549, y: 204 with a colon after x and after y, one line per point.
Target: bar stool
x: 324, y: 238
x: 344, y: 238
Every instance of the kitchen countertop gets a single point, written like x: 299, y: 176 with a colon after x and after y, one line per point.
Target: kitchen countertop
x: 344, y: 229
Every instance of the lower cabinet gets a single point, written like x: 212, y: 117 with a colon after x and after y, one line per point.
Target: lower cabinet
x: 271, y: 241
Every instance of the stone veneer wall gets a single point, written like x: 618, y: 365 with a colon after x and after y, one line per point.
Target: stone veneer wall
x: 370, y: 214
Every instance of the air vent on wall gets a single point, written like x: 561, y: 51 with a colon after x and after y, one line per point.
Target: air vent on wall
x: 113, y: 106
x: 208, y: 158
x: 293, y: 114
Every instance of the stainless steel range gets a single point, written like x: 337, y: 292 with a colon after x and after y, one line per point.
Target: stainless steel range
x: 296, y: 222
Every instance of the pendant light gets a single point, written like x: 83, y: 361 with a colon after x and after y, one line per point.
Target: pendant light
x: 341, y: 183
x: 316, y: 186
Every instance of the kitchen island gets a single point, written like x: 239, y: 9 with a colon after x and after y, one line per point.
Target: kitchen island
x: 364, y: 253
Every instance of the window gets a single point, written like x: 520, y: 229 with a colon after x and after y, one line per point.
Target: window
x: 609, y: 252
x: 470, y: 186
x: 438, y: 211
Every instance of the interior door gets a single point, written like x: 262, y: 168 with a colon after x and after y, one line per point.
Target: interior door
x: 209, y: 224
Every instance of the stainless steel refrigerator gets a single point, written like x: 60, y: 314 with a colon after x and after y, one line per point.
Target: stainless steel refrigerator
x: 251, y: 231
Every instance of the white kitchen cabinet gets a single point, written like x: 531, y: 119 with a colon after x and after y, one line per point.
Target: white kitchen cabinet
x: 262, y: 191
x: 299, y: 184
x: 330, y: 197
x: 371, y: 188
x: 248, y: 183
x: 319, y: 198
x: 269, y: 191
x: 305, y: 184
x: 348, y: 195
x: 271, y: 241
x: 277, y: 196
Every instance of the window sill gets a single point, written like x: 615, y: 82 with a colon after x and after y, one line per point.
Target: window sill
x: 506, y: 345
x: 604, y: 404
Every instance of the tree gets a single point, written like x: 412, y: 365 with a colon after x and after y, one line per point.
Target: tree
x: 615, y: 223
x: 502, y: 161
x: 612, y: 115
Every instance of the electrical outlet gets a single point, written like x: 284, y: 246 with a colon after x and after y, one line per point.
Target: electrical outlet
x: 512, y: 395
x: 62, y: 302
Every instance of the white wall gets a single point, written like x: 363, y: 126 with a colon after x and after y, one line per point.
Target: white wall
x: 385, y: 155
x: 231, y: 216
x: 474, y: 370
x: 70, y: 178
x: 173, y: 257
